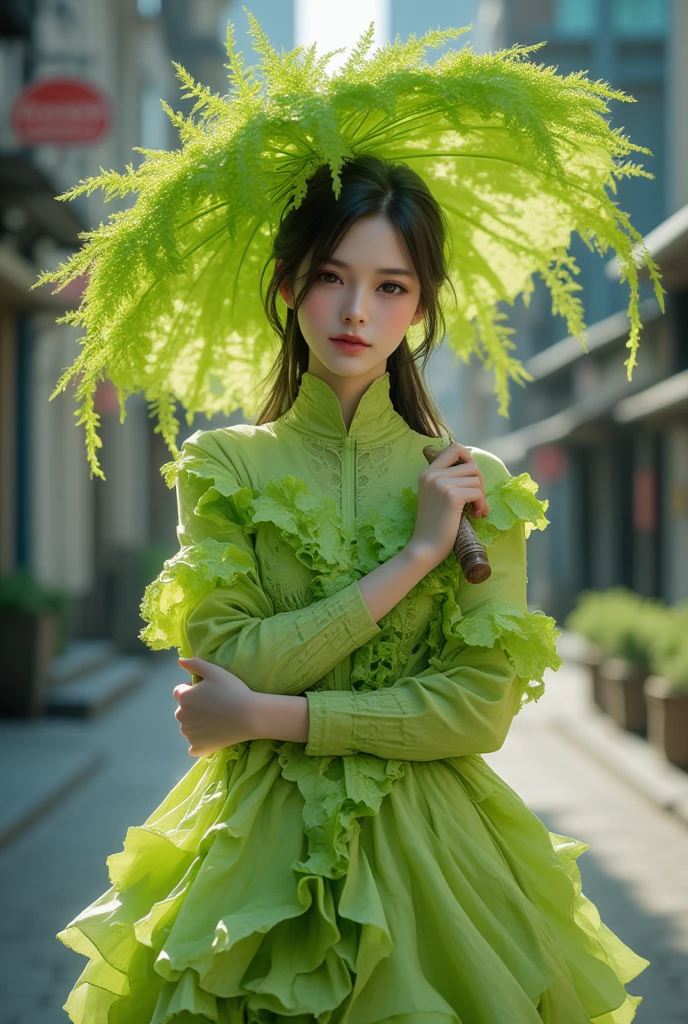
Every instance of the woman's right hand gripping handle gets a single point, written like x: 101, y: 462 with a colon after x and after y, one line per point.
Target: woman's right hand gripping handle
x: 443, y: 490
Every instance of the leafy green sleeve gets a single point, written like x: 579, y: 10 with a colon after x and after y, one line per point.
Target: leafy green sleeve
x: 209, y: 600
x: 488, y: 656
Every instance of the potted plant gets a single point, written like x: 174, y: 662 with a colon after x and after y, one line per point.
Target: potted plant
x: 633, y: 626
x: 32, y: 623
x: 623, y: 626
x: 592, y: 657
x: 666, y: 690
x: 584, y: 620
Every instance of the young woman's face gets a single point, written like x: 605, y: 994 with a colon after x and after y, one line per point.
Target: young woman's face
x: 368, y: 291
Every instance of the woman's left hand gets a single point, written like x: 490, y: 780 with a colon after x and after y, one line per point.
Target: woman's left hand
x: 216, y: 712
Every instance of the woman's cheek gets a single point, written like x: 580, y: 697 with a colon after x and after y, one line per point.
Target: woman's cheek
x: 398, y: 315
x: 315, y: 313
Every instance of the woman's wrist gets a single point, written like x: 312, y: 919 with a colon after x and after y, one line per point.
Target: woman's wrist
x: 421, y: 557
x: 275, y: 716
x: 385, y: 586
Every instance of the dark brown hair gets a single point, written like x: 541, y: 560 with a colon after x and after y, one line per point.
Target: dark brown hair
x: 370, y: 186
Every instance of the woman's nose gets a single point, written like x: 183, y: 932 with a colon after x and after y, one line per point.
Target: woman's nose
x: 354, y: 311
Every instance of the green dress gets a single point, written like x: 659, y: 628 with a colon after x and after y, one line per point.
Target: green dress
x: 382, y: 871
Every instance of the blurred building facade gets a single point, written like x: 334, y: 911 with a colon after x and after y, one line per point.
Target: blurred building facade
x: 86, y: 538
x: 610, y: 455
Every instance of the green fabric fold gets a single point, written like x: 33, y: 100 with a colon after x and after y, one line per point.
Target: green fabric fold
x: 184, y: 929
x: 186, y: 934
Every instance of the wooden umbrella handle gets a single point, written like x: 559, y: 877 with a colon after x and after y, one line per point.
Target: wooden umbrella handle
x: 470, y: 553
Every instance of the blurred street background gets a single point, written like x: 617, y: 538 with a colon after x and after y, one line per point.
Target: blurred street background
x: 89, y: 745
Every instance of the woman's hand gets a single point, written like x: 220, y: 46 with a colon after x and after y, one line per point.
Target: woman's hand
x: 216, y: 712
x: 443, y: 490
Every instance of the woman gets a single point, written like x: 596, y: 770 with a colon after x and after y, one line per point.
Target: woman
x: 341, y: 852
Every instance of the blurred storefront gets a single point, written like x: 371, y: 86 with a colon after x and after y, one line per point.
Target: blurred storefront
x: 29, y: 215
x: 77, y: 82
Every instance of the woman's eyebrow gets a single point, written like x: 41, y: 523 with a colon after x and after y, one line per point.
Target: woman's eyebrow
x: 380, y: 270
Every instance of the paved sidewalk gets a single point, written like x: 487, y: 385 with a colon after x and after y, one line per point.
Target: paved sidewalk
x: 56, y: 867
x: 635, y: 870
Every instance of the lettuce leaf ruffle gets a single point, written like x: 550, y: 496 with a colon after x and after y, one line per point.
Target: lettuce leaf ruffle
x: 312, y: 527
x: 511, y: 500
x: 186, y: 579
x: 336, y: 791
x: 527, y: 638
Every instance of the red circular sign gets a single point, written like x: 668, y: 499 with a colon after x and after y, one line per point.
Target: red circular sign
x: 60, y: 112
x: 549, y: 462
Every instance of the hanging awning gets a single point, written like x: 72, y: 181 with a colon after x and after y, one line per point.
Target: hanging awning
x: 668, y: 398
x: 30, y: 213
x: 668, y: 246
x: 562, y: 354
x: 577, y: 422
x: 24, y: 188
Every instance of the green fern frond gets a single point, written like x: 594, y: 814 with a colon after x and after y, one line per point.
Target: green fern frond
x: 356, y: 60
x: 111, y: 183
x: 520, y: 157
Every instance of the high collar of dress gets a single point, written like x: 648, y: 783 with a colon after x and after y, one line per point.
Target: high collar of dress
x: 316, y: 411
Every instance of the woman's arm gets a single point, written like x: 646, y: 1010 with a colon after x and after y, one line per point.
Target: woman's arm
x: 463, y: 704
x: 286, y: 652
x: 222, y: 709
x: 235, y: 626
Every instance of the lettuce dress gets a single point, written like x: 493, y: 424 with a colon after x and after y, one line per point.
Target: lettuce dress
x: 381, y: 872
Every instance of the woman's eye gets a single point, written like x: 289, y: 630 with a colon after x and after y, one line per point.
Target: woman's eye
x: 392, y: 284
x: 328, y: 276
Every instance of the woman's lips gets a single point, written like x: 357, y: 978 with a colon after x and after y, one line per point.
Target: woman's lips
x: 350, y: 343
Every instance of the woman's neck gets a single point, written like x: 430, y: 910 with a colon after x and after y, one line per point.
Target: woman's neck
x: 349, y: 390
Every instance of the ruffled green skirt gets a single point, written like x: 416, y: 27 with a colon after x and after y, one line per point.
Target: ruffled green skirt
x: 270, y: 886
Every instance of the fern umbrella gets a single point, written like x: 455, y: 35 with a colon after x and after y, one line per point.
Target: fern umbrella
x: 518, y: 156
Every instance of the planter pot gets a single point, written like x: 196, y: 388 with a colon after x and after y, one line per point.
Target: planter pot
x: 622, y: 693
x: 29, y: 643
x: 667, y: 719
x: 592, y: 657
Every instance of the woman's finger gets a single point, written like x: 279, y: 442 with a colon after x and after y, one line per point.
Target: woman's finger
x: 180, y: 689
x: 455, y: 458
x: 205, y: 669
x: 459, y: 451
x: 464, y: 452
x: 194, y: 665
x: 448, y: 456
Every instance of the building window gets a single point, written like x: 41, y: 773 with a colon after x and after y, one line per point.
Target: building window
x: 149, y: 8
x: 640, y: 18
x: 576, y: 17
x: 627, y: 18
